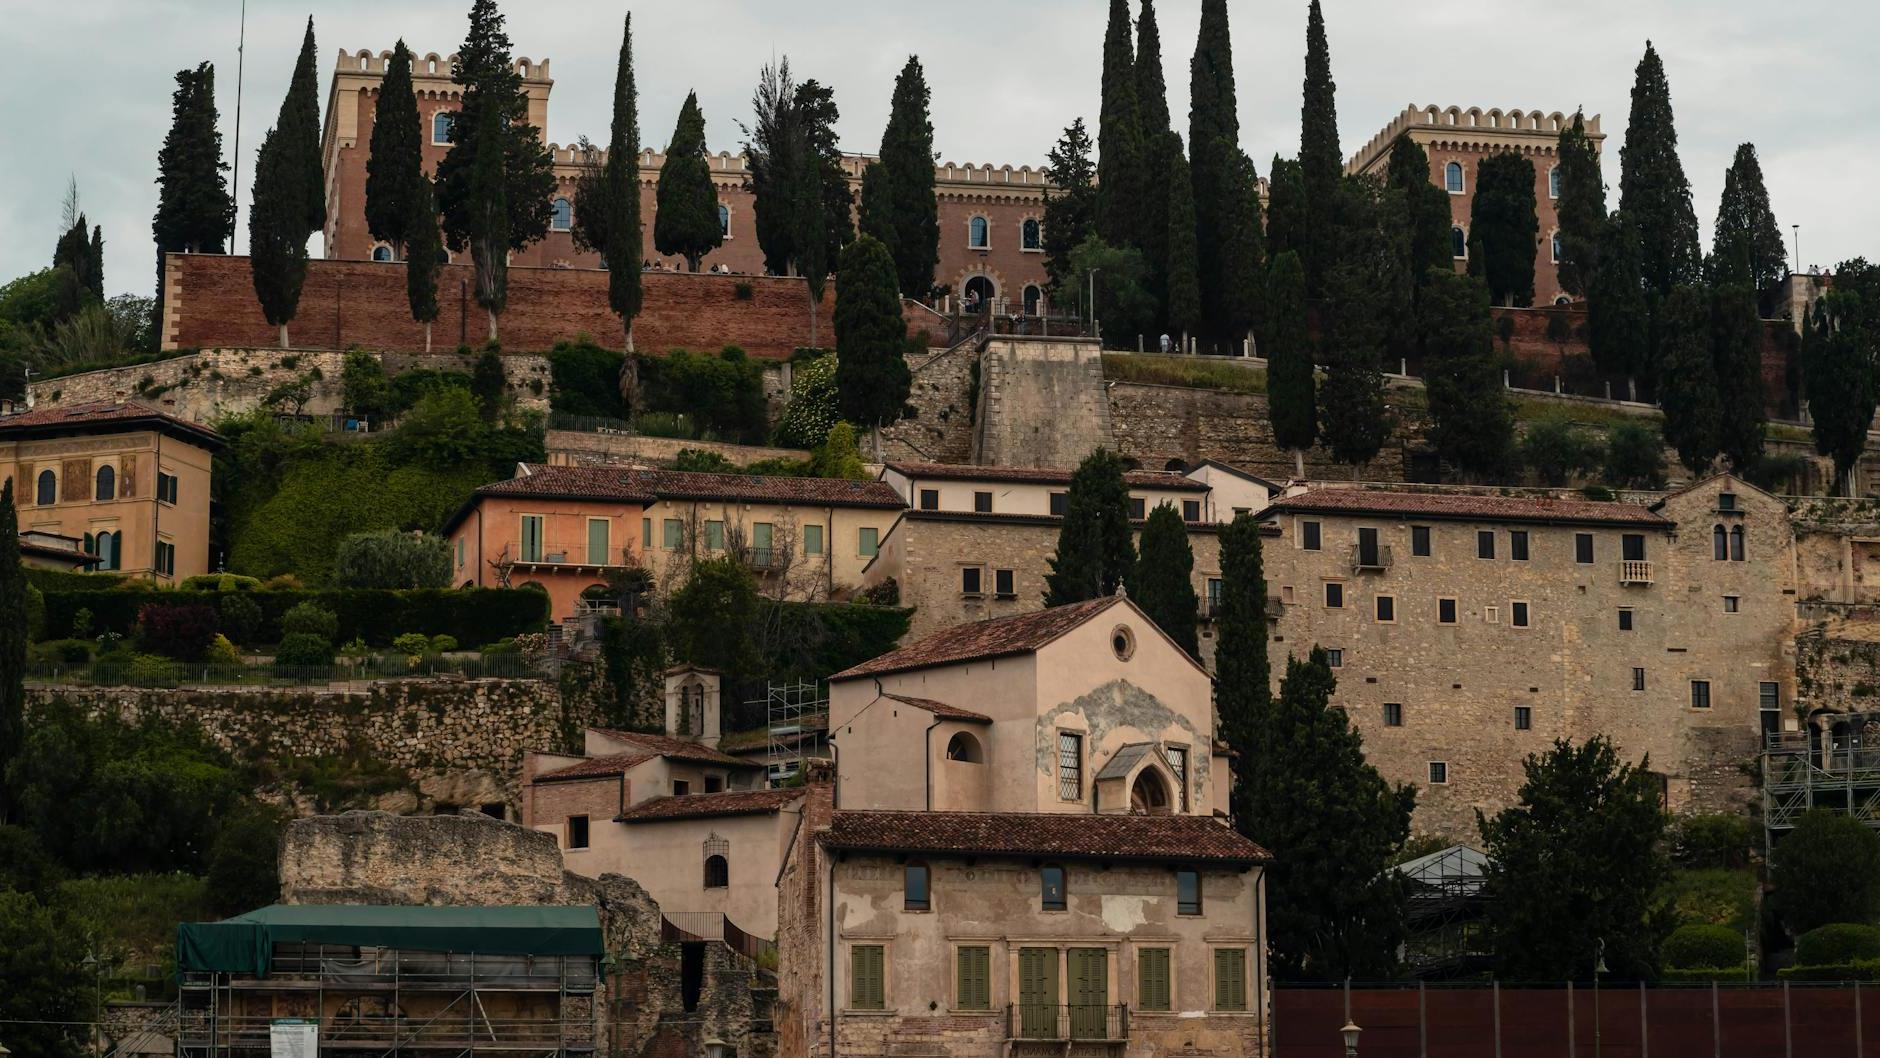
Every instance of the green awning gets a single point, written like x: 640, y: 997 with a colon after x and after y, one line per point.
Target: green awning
x: 245, y: 944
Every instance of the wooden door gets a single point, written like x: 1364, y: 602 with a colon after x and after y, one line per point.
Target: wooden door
x: 1037, y: 993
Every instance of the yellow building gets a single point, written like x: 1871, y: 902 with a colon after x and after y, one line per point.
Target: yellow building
x: 128, y: 481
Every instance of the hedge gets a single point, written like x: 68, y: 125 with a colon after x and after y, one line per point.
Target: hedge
x: 1692, y: 975
x: 1858, y: 970
x: 472, y: 616
x: 51, y: 580
x: 1839, y: 942
x: 1703, y: 945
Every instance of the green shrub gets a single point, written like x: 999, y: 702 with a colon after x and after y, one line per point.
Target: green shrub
x: 310, y: 619
x: 443, y: 644
x: 1713, y: 896
x: 35, y: 614
x: 1693, y: 946
x: 244, y: 863
x: 219, y: 582
x: 241, y: 617
x: 222, y: 652
x: 586, y: 380
x: 722, y: 394
x: 388, y: 558
x: 1826, y: 870
x: 1711, y: 839
x: 1863, y: 970
x: 412, y: 644
x: 812, y: 410
x: 1558, y: 451
x: 1695, y: 975
x: 1837, y: 942
x: 469, y: 615
x: 81, y: 622
x: 702, y: 461
x: 304, y: 650
x: 60, y: 652
x: 1635, y: 457
x: 151, y: 670
x: 505, y: 645
x: 50, y: 580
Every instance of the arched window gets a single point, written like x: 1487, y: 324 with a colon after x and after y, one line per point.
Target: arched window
x: 48, y: 492
x: 698, y: 708
x: 1556, y: 247
x: 1563, y: 300
x: 724, y: 221
x: 1458, y: 244
x: 916, y: 888
x: 1148, y: 795
x: 381, y: 253
x: 1033, y: 234
x: 107, y: 484
x: 965, y: 747
x: 1553, y: 182
x: 110, y: 550
x: 443, y: 257
x: 717, y: 872
x: 1719, y: 544
x: 1176, y: 466
x: 979, y: 233
x: 1034, y: 299
x: 1736, y: 543
x: 562, y: 218
x: 443, y: 126
x: 1452, y: 178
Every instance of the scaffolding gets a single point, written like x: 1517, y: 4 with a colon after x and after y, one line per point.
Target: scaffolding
x: 1829, y: 764
x: 1444, y: 911
x: 797, y: 715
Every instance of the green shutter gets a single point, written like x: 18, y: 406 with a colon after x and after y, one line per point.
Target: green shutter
x: 1152, y: 978
x: 531, y: 538
x: 646, y: 532
x: 870, y: 542
x: 867, y: 991
x: 597, y: 542
x: 812, y: 540
x: 675, y: 534
x: 975, y: 978
x: 1230, y: 979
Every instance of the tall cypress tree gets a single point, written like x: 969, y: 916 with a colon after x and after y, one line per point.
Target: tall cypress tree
x: 299, y: 129
x: 811, y: 237
x: 1653, y: 190
x: 1182, y: 280
x: 289, y: 196
x: 768, y: 156
x: 1841, y: 371
x: 686, y: 219
x: 1291, y: 388
x: 1408, y: 172
x: 1748, y: 246
x: 1366, y: 296
x: 872, y: 377
x: 1119, y: 137
x: 195, y: 212
x: 1070, y: 205
x: 12, y: 645
x: 1320, y: 159
x: 1160, y: 145
x: 1242, y: 285
x: 424, y: 244
x: 1213, y: 150
x: 396, y: 165
x: 817, y: 114
x: 487, y: 226
x: 1286, y: 208
x: 1151, y: 84
x: 620, y: 180
x: 1736, y: 341
x: 1687, y: 379
x: 94, y: 262
x: 1094, y: 552
x: 1161, y: 581
x: 1617, y: 316
x: 1581, y: 208
x: 1243, y: 678
x: 1471, y: 422
x: 1504, y: 219
x: 909, y: 212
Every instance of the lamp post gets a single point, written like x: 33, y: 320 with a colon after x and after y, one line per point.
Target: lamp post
x: 1599, y: 967
x: 1093, y: 302
x: 1350, y: 1033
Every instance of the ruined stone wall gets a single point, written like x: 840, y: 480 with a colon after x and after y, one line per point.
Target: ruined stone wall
x: 1836, y: 673
x: 940, y: 430
x: 584, y: 449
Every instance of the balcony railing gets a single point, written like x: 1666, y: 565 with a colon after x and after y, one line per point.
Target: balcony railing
x: 1376, y: 557
x: 1635, y: 571
x: 1078, y: 1021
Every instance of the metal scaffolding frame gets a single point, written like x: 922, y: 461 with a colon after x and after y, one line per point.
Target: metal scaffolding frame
x: 1826, y: 765
x: 1444, y: 910
x: 797, y: 714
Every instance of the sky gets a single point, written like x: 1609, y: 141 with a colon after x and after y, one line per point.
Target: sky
x: 87, y: 90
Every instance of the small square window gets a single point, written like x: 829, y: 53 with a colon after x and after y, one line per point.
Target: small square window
x: 1138, y: 508
x: 1583, y: 548
x: 1625, y: 618
x: 1726, y: 501
x: 930, y: 499
x: 1309, y: 536
x: 1003, y: 584
x: 982, y: 502
x: 1334, y: 595
x: 1386, y: 608
x: 1731, y: 604
x: 1523, y: 718
x: 868, y: 541
x: 1420, y: 541
x: 1638, y: 679
x: 681, y: 787
x: 1485, y: 543
x: 1439, y: 773
x: 1335, y: 657
x: 1060, y: 501
x: 1769, y: 696
x: 1700, y: 694
x: 1393, y: 714
x: 969, y: 580
x: 1191, y: 510
x: 1446, y: 611
x: 1518, y: 545
x: 1491, y: 615
x: 577, y: 832
x: 1518, y: 614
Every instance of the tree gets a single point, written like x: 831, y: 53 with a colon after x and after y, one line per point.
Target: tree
x: 1826, y: 870
x: 487, y: 228
x: 1653, y: 190
x: 1181, y: 301
x: 1471, y: 421
x: 1125, y: 306
x: 907, y: 214
x: 1121, y: 192
x: 817, y: 114
x: 1840, y: 374
x: 277, y: 245
x: 1503, y: 217
x: 1070, y: 206
x: 1151, y: 85
x: 1581, y: 207
x: 195, y: 212
x: 1213, y: 149
x: 1576, y: 867
x: 1158, y: 148
x: 1161, y: 581
x: 1748, y: 246
x: 244, y: 867
x: 711, y: 618
x: 1332, y: 823
x: 1291, y: 397
x: 395, y: 168
x: 1243, y: 676
x: 1617, y: 316
x: 872, y: 377
x: 770, y: 149
x: 1687, y: 386
x: 1736, y: 337
x: 423, y: 246
x: 1556, y: 451
x: 1367, y: 293
x: 1408, y: 172
x: 1635, y: 457
x: 1286, y: 209
x: 12, y: 647
x: 1094, y: 552
x: 47, y: 1003
x: 1241, y: 285
x: 686, y: 222
x: 390, y: 558
x: 619, y: 200
x: 1321, y: 162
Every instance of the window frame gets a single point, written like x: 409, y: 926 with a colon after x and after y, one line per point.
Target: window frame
x: 1191, y: 511
x: 1063, y: 900
x: 1524, y: 718
x: 1334, y: 657
x: 46, y: 488
x: 1380, y: 603
x: 1520, y: 614
x: 1438, y: 773
x: 523, y: 522
x: 972, y: 581
x: 868, y: 541
x: 1733, y: 604
x: 1058, y: 504
x: 929, y: 499
x: 559, y: 208
x: 982, y: 502
x: 1311, y: 535
x: 672, y: 534
x: 1068, y: 742
x: 978, y: 232
x: 961, y: 999
x: 445, y: 120
x: 1485, y: 544
x: 580, y: 824
x: 104, y: 483
x: 1031, y: 235
x: 1194, y: 907
x: 1638, y: 678
x: 1005, y: 584
x: 1393, y: 714
x: 1421, y: 541
x: 607, y: 540
x: 167, y: 490
x: 1517, y: 545
x: 876, y: 976
x: 1455, y: 178
x: 1583, y: 545
x: 909, y: 871
x: 1237, y: 958
x: 1455, y: 610
x: 812, y: 540
x: 1164, y: 975
x: 725, y: 878
x: 1334, y: 588
x: 1628, y: 620
x: 1700, y: 694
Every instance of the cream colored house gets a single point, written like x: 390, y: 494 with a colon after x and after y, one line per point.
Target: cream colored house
x: 960, y: 488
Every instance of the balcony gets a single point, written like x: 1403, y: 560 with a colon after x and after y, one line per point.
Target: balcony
x: 1085, y: 1022
x: 1635, y: 571
x: 1374, y: 559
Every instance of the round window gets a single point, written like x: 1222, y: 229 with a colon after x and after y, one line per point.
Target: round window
x: 1123, y: 642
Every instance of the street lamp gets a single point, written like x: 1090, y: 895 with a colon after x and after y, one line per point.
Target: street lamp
x: 1599, y: 967
x: 1093, y: 301
x: 1350, y: 1033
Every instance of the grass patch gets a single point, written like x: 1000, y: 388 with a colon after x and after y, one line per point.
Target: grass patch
x: 1198, y: 372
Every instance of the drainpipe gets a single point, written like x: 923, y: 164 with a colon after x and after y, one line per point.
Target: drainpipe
x: 156, y: 511
x: 927, y: 737
x: 829, y: 908
x: 1259, y: 961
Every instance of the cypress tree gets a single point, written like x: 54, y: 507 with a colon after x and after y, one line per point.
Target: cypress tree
x: 12, y: 645
x: 1291, y: 397
x: 1161, y: 581
x: 1748, y: 246
x: 94, y: 263
x: 1408, y: 172
x: 195, y: 212
x: 396, y: 164
x: 876, y: 212
x: 487, y: 227
x: 686, y: 220
x: 909, y: 212
x: 1736, y: 337
x: 1840, y: 351
x: 1286, y: 208
x: 1581, y: 208
x: 423, y: 246
x: 768, y: 157
x: 1159, y: 146
x: 817, y: 114
x: 1320, y: 159
x: 872, y: 377
x: 1366, y: 295
x: 1471, y: 422
x: 1094, y: 552
x: 1242, y: 671
x: 1119, y: 137
x: 811, y: 237
x: 1242, y: 285
x: 1070, y: 205
x: 1504, y: 219
x: 81, y: 251
x: 620, y: 201
x: 1213, y: 149
x: 298, y: 127
x: 277, y: 242
x: 1653, y: 190
x: 1617, y: 318
x: 1182, y: 278
x: 1687, y: 379
x: 1151, y: 86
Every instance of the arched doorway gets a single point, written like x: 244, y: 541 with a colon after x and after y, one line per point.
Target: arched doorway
x: 979, y: 292
x: 1148, y: 795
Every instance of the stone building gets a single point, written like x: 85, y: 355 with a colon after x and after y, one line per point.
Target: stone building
x: 1023, y: 851
x: 126, y: 480
x: 991, y: 217
x: 1457, y: 140
x: 1468, y: 631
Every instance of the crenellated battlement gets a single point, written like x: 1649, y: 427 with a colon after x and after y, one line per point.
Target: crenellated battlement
x: 570, y: 155
x: 1504, y: 124
x: 429, y: 65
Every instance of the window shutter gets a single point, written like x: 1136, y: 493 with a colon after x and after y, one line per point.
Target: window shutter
x: 1230, y: 979
x: 866, y: 990
x: 975, y: 983
x: 1152, y: 968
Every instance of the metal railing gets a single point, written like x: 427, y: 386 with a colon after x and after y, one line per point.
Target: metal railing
x: 1077, y: 1021
x: 1375, y: 557
x: 588, y: 423
x: 463, y: 1027
x: 682, y: 927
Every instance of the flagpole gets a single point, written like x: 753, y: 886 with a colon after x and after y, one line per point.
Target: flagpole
x: 241, y: 43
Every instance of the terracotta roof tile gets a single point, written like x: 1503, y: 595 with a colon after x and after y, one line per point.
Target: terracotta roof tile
x: 703, y: 806
x: 1467, y: 507
x: 676, y: 748
x: 942, y: 709
x: 636, y: 485
x: 75, y: 418
x: 1148, y: 479
x: 596, y: 767
x: 1019, y: 634
x: 1178, y: 838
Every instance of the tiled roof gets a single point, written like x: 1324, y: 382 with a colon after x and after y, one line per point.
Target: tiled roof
x: 706, y: 805
x: 1148, y: 479
x: 572, y: 483
x: 75, y: 554
x: 595, y: 767
x: 1468, y: 507
x: 105, y: 415
x: 635, y: 485
x: 676, y: 748
x: 1019, y: 634
x: 942, y: 709
x: 1122, y: 837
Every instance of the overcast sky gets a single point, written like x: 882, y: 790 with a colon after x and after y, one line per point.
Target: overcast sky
x: 87, y: 83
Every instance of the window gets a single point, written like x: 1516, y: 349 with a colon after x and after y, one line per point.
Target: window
x: 681, y: 787
x: 974, y: 981
x: 1212, y: 603
x: 1446, y: 611
x: 562, y: 216
x: 1554, y: 247
x: 1523, y: 718
x: 713, y: 784
x: 1553, y: 182
x: 166, y: 558
x: 646, y: 533
x: 1335, y: 657
x: 969, y: 580
x: 982, y: 503
x: 166, y: 488
x: 675, y: 534
x: 1420, y: 541
x: 1334, y: 595
x: 867, y: 990
x: 1625, y: 618
x: 1393, y: 714
x: 443, y: 126
x: 1719, y: 544
x: 868, y: 541
x: 1152, y: 977
x: 1583, y: 548
x: 1187, y: 892
x: 1638, y: 679
x: 1004, y: 584
x: 1034, y: 299
x: 1191, y: 510
x: 1033, y: 234
x: 1439, y: 773
x: 979, y: 233
x: 717, y: 872
x: 1059, y: 501
x: 1138, y: 508
x: 1070, y: 766
x: 930, y: 499
x: 965, y: 748
x: 1700, y: 694
x: 1452, y: 178
x: 724, y: 221
x: 460, y: 549
x: 106, y: 484
x: 1458, y: 244
x: 1485, y: 543
x: 762, y: 553
x: 1122, y: 642
x: 1386, y: 609
x: 1309, y: 536
x: 1632, y: 547
x: 577, y: 832
x: 714, y: 536
x: 1518, y: 614
x: 1726, y: 501
x: 382, y: 253
x: 531, y: 538
x: 597, y: 541
x: 1731, y: 604
x: 1518, y: 545
x: 1177, y: 757
x: 1736, y: 543
x: 48, y: 489
x: 1051, y: 888
x: 1230, y: 979
x: 1769, y: 698
x: 915, y: 895
x: 812, y: 540
x: 1491, y: 615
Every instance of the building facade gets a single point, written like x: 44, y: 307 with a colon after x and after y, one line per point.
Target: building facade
x: 127, y: 481
x: 1457, y: 140
x: 991, y: 217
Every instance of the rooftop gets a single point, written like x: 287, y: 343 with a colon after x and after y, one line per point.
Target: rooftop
x: 1003, y: 637
x: 645, y: 486
x: 1074, y: 835
x: 1150, y: 479
x: 942, y: 709
x: 708, y: 805
x: 1473, y: 508
x: 104, y: 416
x: 645, y: 748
